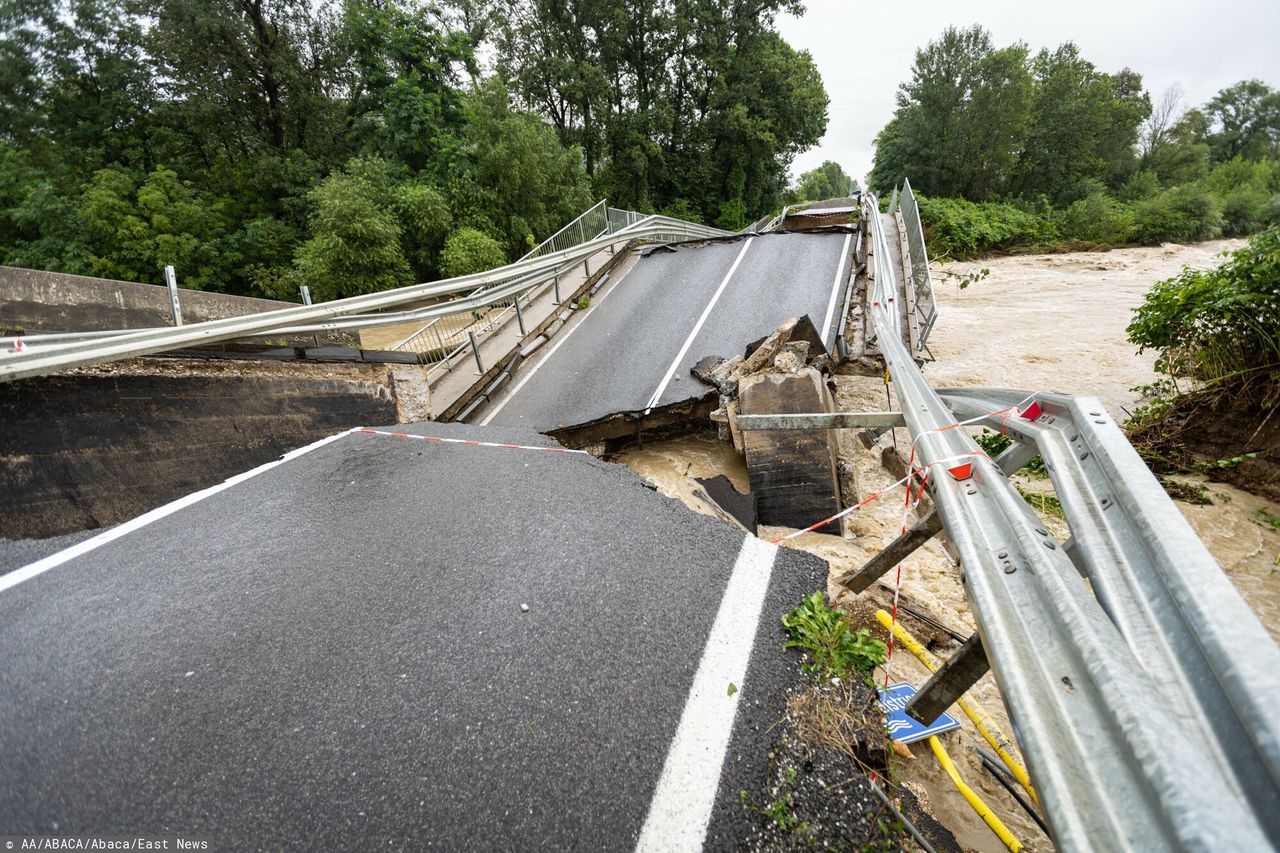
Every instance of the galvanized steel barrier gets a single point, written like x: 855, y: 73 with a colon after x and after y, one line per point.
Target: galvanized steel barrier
x: 1145, y: 706
x: 444, y: 340
x: 923, y: 308
x: 483, y: 290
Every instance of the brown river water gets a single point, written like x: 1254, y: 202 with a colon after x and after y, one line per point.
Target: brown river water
x: 1052, y: 322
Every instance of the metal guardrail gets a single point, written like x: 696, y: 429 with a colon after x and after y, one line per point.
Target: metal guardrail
x: 924, y: 308
x: 1211, y: 658
x: 483, y: 289
x: 777, y: 220
x: 1118, y: 759
x: 445, y: 337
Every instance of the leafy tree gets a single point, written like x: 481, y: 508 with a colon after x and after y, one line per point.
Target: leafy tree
x: 136, y: 229
x: 470, y: 251
x: 243, y: 76
x: 406, y: 104
x: 75, y: 88
x: 1084, y: 126
x: 826, y: 181
x: 355, y: 247
x: 425, y: 221
x: 669, y: 99
x: 961, y: 120
x: 534, y: 183
x: 1244, y: 122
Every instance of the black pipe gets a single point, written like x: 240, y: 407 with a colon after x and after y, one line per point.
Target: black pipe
x: 998, y: 770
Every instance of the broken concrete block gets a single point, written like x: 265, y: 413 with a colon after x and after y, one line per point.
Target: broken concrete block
x: 792, y: 357
x: 767, y: 349
x: 721, y: 491
x: 848, y: 476
x: 725, y: 375
x: 735, y: 433
x: 792, y: 472
x: 803, y: 330
x: 703, y: 369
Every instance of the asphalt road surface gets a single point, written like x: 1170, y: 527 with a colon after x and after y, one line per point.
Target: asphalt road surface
x: 634, y: 349
x: 333, y: 651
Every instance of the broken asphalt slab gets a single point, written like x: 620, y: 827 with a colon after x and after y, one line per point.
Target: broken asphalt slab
x: 334, y: 652
x: 619, y: 356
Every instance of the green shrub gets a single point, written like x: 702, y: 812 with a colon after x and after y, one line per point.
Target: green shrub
x: 825, y: 634
x: 1143, y: 184
x: 470, y: 251
x: 1220, y: 323
x: 1244, y: 211
x: 1179, y: 214
x: 682, y: 208
x: 964, y: 229
x: 1097, y: 218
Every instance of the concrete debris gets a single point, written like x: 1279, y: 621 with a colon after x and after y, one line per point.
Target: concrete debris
x: 792, y: 358
x: 725, y: 375
x: 703, y: 369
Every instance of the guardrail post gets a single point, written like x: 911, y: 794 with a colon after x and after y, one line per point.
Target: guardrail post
x: 557, y: 288
x: 306, y: 294
x: 171, y: 280
x: 519, y: 317
x: 896, y: 551
x: 475, y: 350
x: 586, y: 267
x: 961, y: 671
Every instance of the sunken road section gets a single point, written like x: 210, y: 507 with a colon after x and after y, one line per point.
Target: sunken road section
x: 334, y: 650
x: 636, y: 344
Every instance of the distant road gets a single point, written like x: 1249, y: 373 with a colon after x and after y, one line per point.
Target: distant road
x: 635, y: 349
x: 334, y: 652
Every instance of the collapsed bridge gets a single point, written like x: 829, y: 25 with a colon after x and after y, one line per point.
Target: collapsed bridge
x: 1140, y: 729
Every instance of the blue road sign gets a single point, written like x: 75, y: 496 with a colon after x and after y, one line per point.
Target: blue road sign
x: 893, y: 699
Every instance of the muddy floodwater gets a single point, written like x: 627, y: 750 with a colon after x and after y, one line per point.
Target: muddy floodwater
x: 1044, y: 322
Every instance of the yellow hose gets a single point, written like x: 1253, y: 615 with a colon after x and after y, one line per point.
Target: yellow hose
x: 982, y: 721
x: 989, y: 817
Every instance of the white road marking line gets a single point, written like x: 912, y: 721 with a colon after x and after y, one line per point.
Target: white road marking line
x: 52, y: 561
x: 547, y: 357
x: 835, y: 288
x: 706, y: 312
x: 686, y: 792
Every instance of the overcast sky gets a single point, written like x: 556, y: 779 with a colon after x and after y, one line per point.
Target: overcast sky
x: 864, y: 50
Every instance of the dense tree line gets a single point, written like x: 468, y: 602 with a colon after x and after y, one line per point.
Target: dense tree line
x: 1013, y: 148
x: 355, y: 145
x: 826, y: 181
x: 692, y: 107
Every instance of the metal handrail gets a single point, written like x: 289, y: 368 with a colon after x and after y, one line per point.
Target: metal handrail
x: 561, y: 239
x: 1108, y: 751
x: 499, y: 284
x: 924, y: 309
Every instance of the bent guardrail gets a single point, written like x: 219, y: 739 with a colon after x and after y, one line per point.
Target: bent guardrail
x: 483, y: 289
x: 923, y: 307
x: 1117, y: 762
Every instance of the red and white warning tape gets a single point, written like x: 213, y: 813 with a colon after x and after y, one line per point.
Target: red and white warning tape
x: 470, y: 441
x: 954, y: 465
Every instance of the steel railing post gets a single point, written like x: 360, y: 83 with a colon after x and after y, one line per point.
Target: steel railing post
x: 520, y: 316
x: 171, y: 280
x: 475, y: 350
x: 557, y: 288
